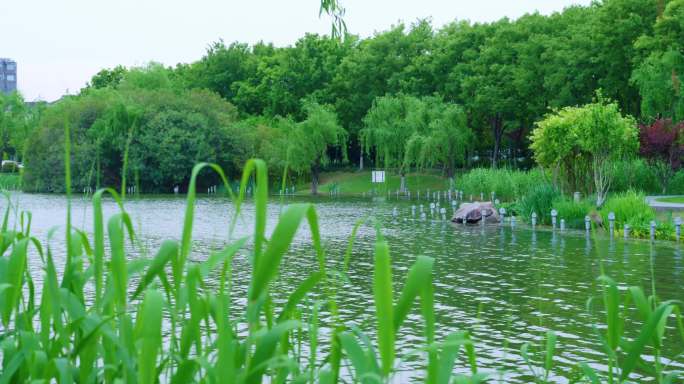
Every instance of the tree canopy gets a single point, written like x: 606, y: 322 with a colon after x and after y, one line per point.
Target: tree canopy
x: 410, y: 96
x: 590, y: 137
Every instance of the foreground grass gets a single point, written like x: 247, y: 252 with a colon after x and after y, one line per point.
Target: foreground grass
x: 112, y: 317
x: 357, y: 183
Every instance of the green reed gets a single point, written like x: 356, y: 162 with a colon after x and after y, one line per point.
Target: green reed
x: 119, y: 318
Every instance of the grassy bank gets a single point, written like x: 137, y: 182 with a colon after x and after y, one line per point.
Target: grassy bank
x: 671, y: 199
x: 358, y: 183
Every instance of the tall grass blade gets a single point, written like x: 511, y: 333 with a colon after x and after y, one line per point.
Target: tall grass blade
x: 384, y: 311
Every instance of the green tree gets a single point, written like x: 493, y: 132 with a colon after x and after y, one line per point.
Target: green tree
x: 445, y: 142
x: 107, y: 78
x: 596, y: 134
x: 387, y: 129
x: 659, y: 75
x: 310, y: 141
x: 375, y: 68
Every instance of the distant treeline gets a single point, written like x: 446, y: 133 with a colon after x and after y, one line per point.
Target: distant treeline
x: 486, y: 84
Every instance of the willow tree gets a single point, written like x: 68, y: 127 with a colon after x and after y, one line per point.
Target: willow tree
x: 310, y: 140
x: 595, y: 134
x: 388, y: 126
x: 445, y: 142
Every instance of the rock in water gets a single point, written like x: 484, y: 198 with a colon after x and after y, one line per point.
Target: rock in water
x: 475, y: 212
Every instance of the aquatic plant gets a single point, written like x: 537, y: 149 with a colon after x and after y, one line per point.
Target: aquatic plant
x: 630, y: 208
x: 539, y: 199
x: 506, y: 184
x: 573, y: 212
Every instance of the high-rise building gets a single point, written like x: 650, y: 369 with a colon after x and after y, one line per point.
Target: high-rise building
x: 8, y: 75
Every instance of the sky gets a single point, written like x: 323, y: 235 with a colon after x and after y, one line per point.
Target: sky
x: 60, y: 44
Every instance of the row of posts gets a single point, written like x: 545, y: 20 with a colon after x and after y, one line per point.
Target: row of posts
x: 436, y: 209
x: 448, y: 195
x: 288, y: 191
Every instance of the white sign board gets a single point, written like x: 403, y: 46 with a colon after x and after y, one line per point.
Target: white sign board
x: 378, y: 176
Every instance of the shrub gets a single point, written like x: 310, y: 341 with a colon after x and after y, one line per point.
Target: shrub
x: 630, y: 208
x: 573, y: 212
x: 676, y: 184
x: 540, y: 200
x: 636, y: 174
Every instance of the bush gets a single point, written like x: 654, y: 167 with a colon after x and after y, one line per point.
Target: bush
x: 507, y: 184
x: 540, y: 200
x: 636, y: 174
x: 573, y: 212
x: 630, y: 208
x: 676, y: 184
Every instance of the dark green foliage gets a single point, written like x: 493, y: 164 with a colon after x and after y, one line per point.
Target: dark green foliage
x: 168, y: 131
x: 636, y: 174
x: 676, y: 184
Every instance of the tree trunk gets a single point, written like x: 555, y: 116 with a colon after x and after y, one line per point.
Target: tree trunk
x: 315, y: 170
x: 402, y: 183
x: 361, y: 161
x: 450, y: 166
x: 497, y: 132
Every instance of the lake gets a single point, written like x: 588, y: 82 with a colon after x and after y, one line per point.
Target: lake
x: 507, y: 286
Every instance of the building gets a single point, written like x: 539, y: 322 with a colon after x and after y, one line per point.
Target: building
x: 8, y: 75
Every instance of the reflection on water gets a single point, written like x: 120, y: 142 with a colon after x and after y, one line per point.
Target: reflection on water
x: 507, y: 286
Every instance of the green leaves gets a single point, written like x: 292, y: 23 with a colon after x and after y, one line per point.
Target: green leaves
x: 384, y: 310
x: 148, y: 336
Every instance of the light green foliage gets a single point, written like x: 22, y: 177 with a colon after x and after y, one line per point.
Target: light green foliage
x: 592, y: 136
x: 507, y: 184
x: 404, y: 131
x: 308, y: 142
x: 629, y: 208
x: 18, y: 121
x: 357, y: 183
x: 445, y: 142
x: 388, y: 127
x: 573, y: 212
